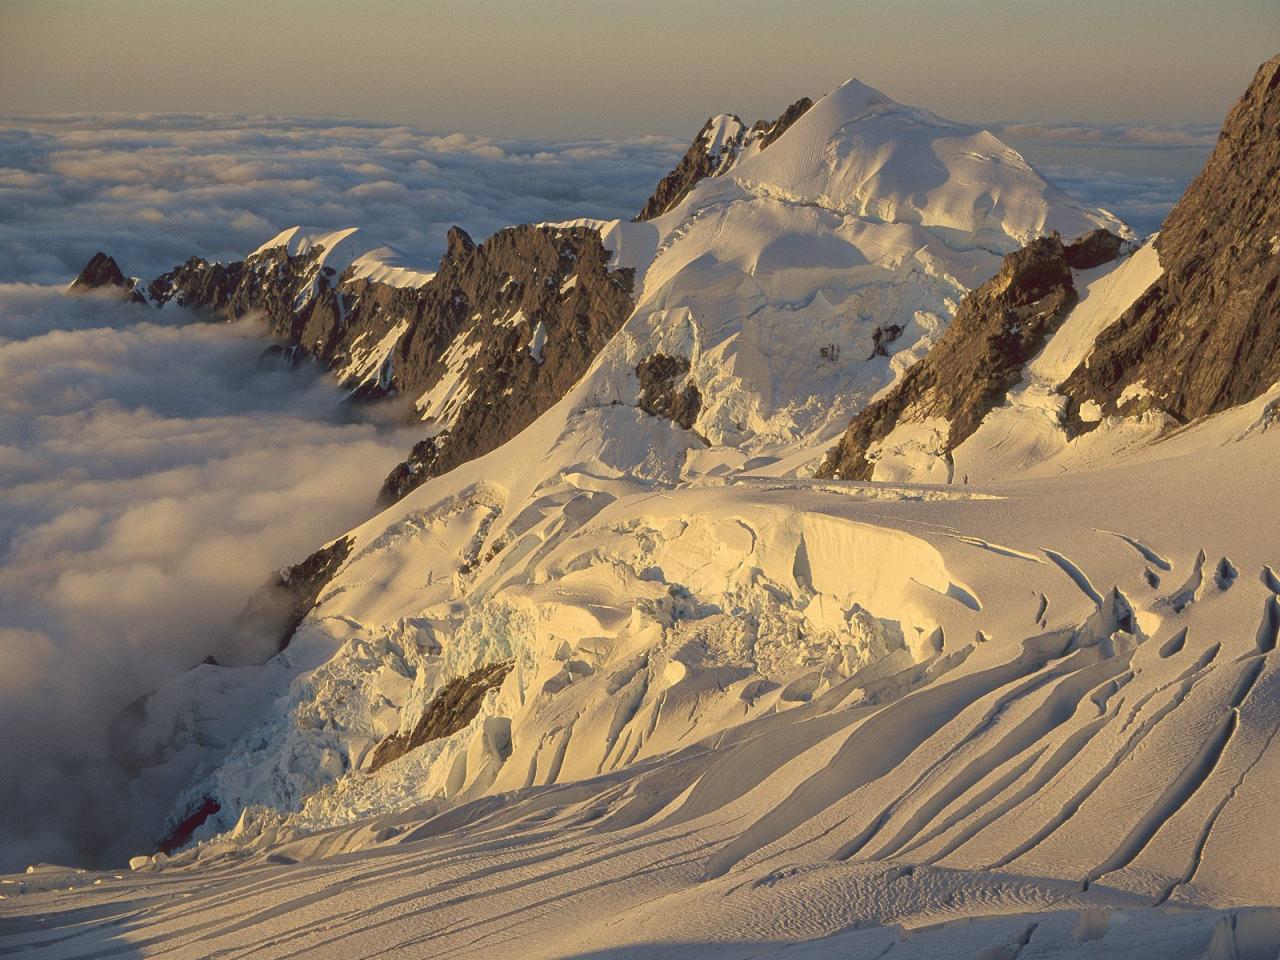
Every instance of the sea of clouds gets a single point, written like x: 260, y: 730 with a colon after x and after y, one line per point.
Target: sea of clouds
x: 152, y: 473
x: 152, y: 190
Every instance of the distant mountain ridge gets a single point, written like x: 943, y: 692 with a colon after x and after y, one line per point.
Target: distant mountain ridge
x: 480, y: 347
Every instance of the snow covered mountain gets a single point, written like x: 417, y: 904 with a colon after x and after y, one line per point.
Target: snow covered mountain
x: 1182, y: 330
x: 633, y: 670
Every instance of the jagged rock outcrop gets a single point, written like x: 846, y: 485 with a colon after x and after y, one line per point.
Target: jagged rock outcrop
x: 661, y: 393
x: 882, y: 336
x: 998, y: 328
x: 721, y: 142
x: 450, y: 710
x: 200, y: 285
x: 524, y: 314
x: 704, y: 158
x: 273, y: 613
x: 1094, y: 249
x: 772, y: 131
x: 1206, y: 335
x: 103, y: 273
x: 482, y: 348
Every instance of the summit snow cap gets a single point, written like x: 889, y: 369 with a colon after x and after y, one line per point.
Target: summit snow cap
x: 857, y: 151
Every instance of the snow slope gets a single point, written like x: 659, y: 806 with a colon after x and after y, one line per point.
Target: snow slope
x: 1038, y: 712
x: 800, y: 280
x: 350, y: 247
x: 857, y: 151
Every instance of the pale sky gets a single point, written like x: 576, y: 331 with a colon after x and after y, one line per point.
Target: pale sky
x: 558, y: 68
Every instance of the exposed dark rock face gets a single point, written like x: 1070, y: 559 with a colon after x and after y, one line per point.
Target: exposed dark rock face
x: 1206, y: 335
x: 999, y: 327
x: 273, y: 613
x: 772, y: 131
x: 450, y: 710
x: 660, y: 392
x: 533, y: 306
x: 103, y: 273
x: 699, y: 162
x: 884, y: 335
x: 1094, y: 249
x: 181, y: 834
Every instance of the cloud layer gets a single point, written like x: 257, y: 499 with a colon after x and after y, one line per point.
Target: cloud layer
x: 151, y: 476
x: 153, y: 190
x: 1137, y: 171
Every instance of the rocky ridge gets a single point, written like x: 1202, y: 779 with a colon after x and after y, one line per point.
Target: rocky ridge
x: 997, y: 329
x: 273, y: 613
x: 450, y: 710
x: 721, y: 142
x: 1203, y: 337
x: 480, y: 349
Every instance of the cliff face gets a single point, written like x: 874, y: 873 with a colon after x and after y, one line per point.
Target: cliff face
x: 509, y: 326
x: 721, y: 142
x: 273, y: 613
x: 1206, y: 335
x: 999, y: 327
x: 450, y: 710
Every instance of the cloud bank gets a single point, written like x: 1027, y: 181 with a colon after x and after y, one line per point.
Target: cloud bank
x: 152, y: 190
x: 151, y: 476
x: 1137, y: 171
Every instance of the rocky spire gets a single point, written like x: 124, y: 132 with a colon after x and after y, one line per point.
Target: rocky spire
x: 718, y: 145
x: 103, y: 273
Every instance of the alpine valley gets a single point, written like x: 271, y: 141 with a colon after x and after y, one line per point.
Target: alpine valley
x: 867, y: 551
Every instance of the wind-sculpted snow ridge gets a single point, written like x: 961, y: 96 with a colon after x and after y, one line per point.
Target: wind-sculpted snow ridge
x: 636, y: 674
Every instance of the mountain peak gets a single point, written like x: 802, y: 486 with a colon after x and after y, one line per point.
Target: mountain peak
x: 853, y: 91
x: 103, y: 273
x: 858, y: 152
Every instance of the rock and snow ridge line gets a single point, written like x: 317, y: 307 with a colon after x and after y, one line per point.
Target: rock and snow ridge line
x: 731, y: 360
x: 723, y: 141
x: 1185, y: 331
x: 484, y: 344
x: 758, y: 713
x: 912, y: 432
